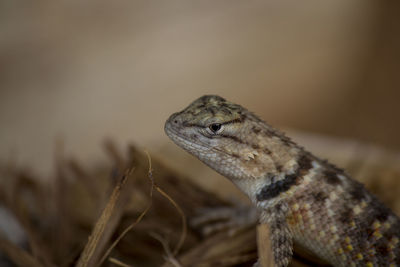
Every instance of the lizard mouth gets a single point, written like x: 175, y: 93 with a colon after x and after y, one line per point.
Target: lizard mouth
x: 195, y: 146
x: 182, y: 140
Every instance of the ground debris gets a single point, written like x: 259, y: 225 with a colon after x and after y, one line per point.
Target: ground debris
x: 131, y: 211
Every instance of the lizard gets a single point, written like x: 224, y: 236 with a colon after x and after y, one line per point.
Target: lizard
x: 303, y: 199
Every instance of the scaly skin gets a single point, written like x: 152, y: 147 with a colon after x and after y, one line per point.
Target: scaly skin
x: 302, y: 198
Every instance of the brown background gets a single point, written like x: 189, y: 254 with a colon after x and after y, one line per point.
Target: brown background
x: 80, y: 71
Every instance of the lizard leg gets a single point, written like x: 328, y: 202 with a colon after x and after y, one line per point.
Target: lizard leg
x: 280, y: 247
x: 279, y: 234
x: 281, y: 243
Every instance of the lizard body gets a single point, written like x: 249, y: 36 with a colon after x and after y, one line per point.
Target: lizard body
x: 302, y: 198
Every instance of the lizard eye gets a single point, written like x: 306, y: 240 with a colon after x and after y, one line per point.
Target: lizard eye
x: 215, y: 127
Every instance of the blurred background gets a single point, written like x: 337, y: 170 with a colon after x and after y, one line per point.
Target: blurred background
x: 81, y: 71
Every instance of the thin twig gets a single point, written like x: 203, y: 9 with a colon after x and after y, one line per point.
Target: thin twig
x: 99, y: 228
x: 124, y: 233
x: 184, y: 224
x: 118, y: 262
x: 169, y: 256
x: 131, y: 226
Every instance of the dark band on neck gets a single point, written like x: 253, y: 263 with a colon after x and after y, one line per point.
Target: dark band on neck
x: 274, y: 189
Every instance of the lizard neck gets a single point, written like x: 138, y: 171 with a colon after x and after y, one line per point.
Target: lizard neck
x: 273, y: 186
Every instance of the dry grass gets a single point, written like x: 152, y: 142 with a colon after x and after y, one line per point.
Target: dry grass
x: 133, y: 211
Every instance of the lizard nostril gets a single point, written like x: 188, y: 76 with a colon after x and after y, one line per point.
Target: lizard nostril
x: 175, y: 121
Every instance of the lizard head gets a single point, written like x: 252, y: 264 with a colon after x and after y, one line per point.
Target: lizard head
x: 211, y: 116
x: 223, y: 135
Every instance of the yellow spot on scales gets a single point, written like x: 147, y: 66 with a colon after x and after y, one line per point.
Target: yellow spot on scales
x: 310, y: 214
x: 349, y: 247
x: 393, y: 242
x: 376, y: 225
x: 307, y: 179
x: 347, y: 239
x: 322, y: 234
x: 377, y: 234
x: 331, y: 213
x: 333, y: 196
x: 295, y: 207
x: 357, y: 209
x: 359, y: 256
x: 335, y: 237
x: 290, y: 192
x: 387, y: 225
x: 369, y: 264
